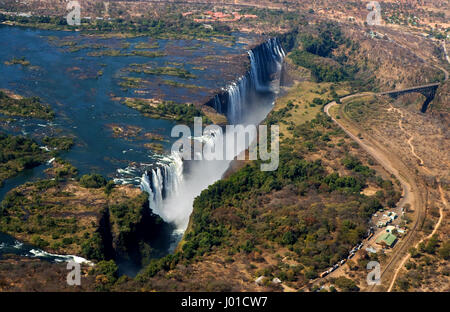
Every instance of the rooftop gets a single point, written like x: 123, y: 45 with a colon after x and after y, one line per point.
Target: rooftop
x: 387, y: 238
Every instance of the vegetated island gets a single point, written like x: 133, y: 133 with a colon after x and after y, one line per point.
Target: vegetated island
x: 18, y: 153
x: 182, y: 113
x: 169, y: 27
x: 15, y: 105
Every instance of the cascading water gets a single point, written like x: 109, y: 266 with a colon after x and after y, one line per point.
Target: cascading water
x: 163, y: 181
x: 171, y: 194
x: 265, y: 60
x: 236, y: 101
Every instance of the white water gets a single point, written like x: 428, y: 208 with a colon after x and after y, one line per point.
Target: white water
x: 163, y: 182
x: 60, y: 258
x: 171, y: 191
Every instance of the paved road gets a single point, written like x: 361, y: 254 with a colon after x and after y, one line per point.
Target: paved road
x: 446, y: 54
x: 410, y: 194
x: 411, y: 191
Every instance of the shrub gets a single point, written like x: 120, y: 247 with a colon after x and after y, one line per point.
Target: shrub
x: 92, y: 181
x: 311, y: 274
x: 346, y: 284
x: 431, y: 245
x: 414, y: 252
x: 39, y: 242
x: 109, y: 187
x: 444, y: 251
x: 93, y: 248
x: 106, y: 273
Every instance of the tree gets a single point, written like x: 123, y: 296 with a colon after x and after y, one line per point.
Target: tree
x: 414, y: 252
x: 346, y: 284
x: 92, y: 180
x: 444, y: 251
x: 106, y: 274
x: 311, y: 274
x: 431, y: 245
x: 403, y: 284
x: 109, y: 187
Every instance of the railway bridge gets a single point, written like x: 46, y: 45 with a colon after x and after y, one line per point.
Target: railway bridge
x: 429, y: 91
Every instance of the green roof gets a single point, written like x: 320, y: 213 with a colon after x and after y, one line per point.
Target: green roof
x: 387, y: 238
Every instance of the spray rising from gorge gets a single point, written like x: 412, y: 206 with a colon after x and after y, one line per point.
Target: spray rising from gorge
x: 173, y: 185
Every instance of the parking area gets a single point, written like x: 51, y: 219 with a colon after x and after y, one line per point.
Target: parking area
x: 384, y: 232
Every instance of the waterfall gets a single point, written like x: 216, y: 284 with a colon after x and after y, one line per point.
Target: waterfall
x: 265, y: 62
x: 237, y: 97
x: 162, y: 182
x: 172, y: 199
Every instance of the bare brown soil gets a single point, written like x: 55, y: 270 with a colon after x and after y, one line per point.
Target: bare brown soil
x: 418, y: 145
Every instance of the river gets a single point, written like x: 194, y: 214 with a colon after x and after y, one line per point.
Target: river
x: 81, y: 88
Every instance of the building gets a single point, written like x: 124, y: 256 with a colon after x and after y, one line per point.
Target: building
x: 386, y: 239
x: 390, y: 228
x: 371, y: 249
x: 393, y: 216
x: 384, y: 222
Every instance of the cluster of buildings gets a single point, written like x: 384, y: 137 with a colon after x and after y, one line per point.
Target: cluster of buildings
x: 388, y: 239
x: 387, y: 219
x: 210, y: 16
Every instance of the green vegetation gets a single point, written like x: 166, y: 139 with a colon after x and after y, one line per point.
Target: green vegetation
x: 345, y: 284
x: 168, y: 70
x: 125, y: 215
x: 127, y: 219
x: 24, y: 107
x: 322, y: 69
x: 66, y: 216
x: 250, y: 182
x: 62, y: 170
x: 46, y: 225
x: 113, y: 52
x: 94, y: 180
x: 319, y: 214
x: 444, y: 251
x: 136, y: 82
x: 78, y: 47
x: 183, y: 113
x: 180, y: 84
x: 424, y: 264
x: 59, y: 143
x: 147, y: 45
x: 282, y: 19
x: 21, y: 61
x: 317, y: 54
x: 357, y: 109
x: 312, y: 210
x: 106, y: 274
x: 18, y: 153
x: 172, y: 26
x: 130, y: 82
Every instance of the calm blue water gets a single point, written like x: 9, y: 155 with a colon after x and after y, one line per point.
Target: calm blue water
x: 83, y: 103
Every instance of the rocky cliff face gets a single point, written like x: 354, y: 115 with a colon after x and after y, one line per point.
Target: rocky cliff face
x: 135, y: 232
x: 87, y: 222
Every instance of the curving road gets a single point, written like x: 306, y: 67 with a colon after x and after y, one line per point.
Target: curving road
x: 411, y: 191
x: 446, y: 56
